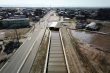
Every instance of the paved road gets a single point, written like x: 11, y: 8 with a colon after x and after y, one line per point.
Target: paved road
x: 15, y: 63
x: 24, y: 56
x: 27, y: 65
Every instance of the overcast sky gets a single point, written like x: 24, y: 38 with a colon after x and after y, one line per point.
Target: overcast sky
x: 55, y: 3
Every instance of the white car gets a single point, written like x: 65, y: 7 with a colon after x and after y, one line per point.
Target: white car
x: 93, y: 26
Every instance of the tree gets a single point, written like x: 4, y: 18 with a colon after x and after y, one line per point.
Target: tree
x: 1, y: 25
x: 39, y: 12
x: 103, y: 14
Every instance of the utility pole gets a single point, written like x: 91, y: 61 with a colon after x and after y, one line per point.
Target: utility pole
x: 17, y: 36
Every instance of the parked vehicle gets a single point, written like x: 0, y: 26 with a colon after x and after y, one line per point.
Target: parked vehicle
x: 93, y: 26
x: 80, y: 25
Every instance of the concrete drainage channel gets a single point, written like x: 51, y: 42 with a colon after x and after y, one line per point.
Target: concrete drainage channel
x: 56, y: 59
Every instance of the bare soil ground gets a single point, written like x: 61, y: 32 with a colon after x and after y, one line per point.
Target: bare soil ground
x: 72, y: 57
x: 10, y: 33
x: 96, y: 57
x: 87, y: 60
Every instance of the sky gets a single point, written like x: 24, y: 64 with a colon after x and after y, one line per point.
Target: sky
x: 54, y: 3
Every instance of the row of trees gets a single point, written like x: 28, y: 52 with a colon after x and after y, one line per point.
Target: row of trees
x: 100, y: 14
x: 103, y: 14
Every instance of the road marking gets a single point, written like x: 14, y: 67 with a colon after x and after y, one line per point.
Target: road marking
x: 11, y: 56
x: 16, y: 51
x: 3, y: 65
x: 29, y: 38
x: 28, y: 53
x: 27, y: 34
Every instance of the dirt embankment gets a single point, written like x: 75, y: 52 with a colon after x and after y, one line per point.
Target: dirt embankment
x: 83, y: 57
x: 39, y: 62
x: 95, y: 56
x: 74, y: 62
